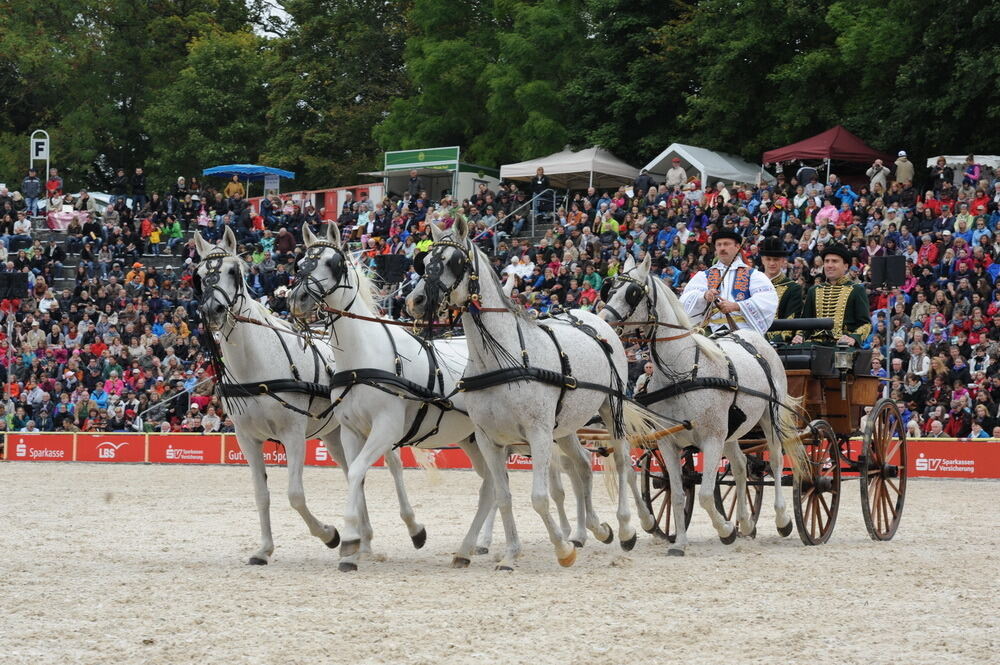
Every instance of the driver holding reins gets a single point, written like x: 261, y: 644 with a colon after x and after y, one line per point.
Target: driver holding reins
x: 738, y: 294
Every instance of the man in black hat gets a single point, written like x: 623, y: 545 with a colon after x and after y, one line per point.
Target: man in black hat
x: 841, y: 299
x: 774, y: 256
x: 736, y: 294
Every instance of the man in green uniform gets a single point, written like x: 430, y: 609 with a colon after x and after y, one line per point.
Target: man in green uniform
x: 774, y: 256
x: 841, y: 299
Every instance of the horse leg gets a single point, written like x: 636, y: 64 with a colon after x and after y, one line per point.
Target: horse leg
x: 646, y: 520
x: 581, y: 474
x: 672, y: 462
x: 486, y: 532
x: 558, y: 495
x: 781, y: 517
x: 374, y: 447
x: 496, y: 461
x: 712, y: 451
x: 335, y: 446
x: 541, y: 457
x: 416, y: 530
x: 738, y: 464
x: 254, y: 453
x: 295, y: 449
x: 627, y: 535
x: 485, y: 510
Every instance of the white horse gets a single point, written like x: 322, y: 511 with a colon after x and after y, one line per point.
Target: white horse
x: 393, y: 383
x: 269, y: 354
x: 530, y: 367
x: 686, y: 356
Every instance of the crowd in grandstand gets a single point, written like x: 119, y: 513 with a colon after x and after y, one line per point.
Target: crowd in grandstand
x: 123, y: 348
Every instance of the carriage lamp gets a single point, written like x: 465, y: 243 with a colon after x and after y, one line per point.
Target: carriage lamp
x: 843, y: 361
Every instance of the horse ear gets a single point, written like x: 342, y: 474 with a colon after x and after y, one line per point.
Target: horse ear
x: 629, y: 264
x: 229, y: 241
x: 508, y: 286
x: 203, y: 246
x: 644, y: 268
x: 333, y: 234
x: 436, y: 232
x: 461, y: 226
x: 308, y: 237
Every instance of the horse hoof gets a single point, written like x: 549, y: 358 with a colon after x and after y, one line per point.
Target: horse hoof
x: 420, y: 538
x: 506, y: 569
x: 627, y: 545
x: 731, y: 538
x: 256, y: 561
x: 752, y: 534
x: 577, y: 544
x: 482, y: 550
x: 347, y: 567
x: 332, y: 544
x: 611, y: 533
x: 568, y: 560
x: 460, y: 562
x: 674, y: 551
x: 785, y: 531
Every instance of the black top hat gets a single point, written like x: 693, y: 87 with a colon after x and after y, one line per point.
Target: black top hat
x: 723, y: 234
x: 839, y: 250
x: 772, y: 246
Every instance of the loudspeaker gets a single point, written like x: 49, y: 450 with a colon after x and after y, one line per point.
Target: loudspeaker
x: 17, y: 244
x: 888, y: 270
x: 13, y: 285
x: 391, y: 267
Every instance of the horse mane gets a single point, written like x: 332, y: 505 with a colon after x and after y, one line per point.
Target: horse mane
x: 505, y: 299
x: 709, y: 347
x: 367, y: 290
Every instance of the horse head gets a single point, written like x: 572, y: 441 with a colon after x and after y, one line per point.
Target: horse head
x: 219, y: 279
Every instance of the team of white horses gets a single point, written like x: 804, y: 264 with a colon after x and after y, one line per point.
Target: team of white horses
x: 392, y: 388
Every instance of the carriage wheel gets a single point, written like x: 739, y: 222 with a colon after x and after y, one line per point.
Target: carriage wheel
x: 725, y: 488
x: 816, y: 498
x: 656, y: 495
x: 883, y: 470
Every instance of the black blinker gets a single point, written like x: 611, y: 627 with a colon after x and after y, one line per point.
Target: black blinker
x: 606, y: 290
x: 418, y: 263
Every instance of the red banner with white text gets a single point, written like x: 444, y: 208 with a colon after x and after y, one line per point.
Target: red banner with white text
x: 927, y: 458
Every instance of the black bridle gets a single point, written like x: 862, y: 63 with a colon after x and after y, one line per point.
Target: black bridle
x: 635, y: 292
x: 315, y: 288
x: 207, y: 288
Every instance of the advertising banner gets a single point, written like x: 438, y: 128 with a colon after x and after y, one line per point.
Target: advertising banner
x: 185, y: 449
x: 274, y: 453
x: 317, y: 454
x: 949, y: 458
x: 110, y: 447
x: 39, y: 447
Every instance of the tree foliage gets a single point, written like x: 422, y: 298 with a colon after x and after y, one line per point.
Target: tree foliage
x: 322, y: 87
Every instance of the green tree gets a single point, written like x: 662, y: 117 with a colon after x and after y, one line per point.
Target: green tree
x: 215, y: 110
x: 627, y: 93
x: 451, y: 42
x: 338, y: 66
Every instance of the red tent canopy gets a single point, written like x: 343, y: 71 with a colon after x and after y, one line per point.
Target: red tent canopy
x: 837, y: 144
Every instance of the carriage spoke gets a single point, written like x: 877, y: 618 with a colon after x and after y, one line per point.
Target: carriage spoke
x: 895, y: 449
x: 822, y: 502
x: 892, y: 485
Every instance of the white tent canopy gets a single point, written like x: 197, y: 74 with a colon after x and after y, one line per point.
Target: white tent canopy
x: 992, y: 161
x: 710, y: 166
x: 575, y: 170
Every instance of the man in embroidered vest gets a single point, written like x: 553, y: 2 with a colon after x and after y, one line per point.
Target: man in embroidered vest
x: 774, y: 256
x: 731, y: 287
x: 841, y: 299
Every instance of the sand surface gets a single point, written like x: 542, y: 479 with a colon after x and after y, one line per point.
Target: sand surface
x: 145, y: 564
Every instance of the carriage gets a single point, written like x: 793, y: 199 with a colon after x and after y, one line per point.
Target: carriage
x: 842, y: 441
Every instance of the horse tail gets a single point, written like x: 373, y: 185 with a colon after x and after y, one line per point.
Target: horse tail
x: 427, y: 460
x: 791, y: 413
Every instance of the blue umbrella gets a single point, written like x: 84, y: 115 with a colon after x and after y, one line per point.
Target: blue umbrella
x: 247, y: 171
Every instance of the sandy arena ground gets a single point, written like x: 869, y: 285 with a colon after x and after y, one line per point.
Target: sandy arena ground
x: 145, y: 564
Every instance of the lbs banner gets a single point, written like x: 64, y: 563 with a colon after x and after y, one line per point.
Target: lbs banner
x: 927, y: 458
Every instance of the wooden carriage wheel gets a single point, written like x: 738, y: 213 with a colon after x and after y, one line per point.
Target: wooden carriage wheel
x: 883, y: 470
x: 656, y: 493
x: 816, y: 498
x: 725, y: 488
